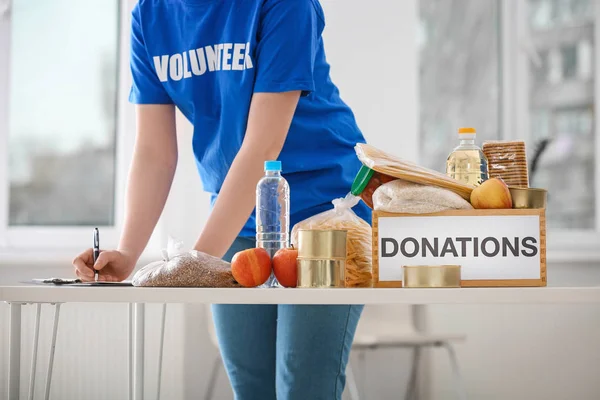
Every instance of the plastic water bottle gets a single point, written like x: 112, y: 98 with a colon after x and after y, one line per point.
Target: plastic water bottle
x: 272, y: 212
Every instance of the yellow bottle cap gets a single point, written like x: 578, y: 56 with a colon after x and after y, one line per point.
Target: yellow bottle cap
x: 469, y: 131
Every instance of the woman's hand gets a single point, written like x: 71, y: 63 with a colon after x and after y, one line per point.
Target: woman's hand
x: 113, y: 265
x: 150, y: 178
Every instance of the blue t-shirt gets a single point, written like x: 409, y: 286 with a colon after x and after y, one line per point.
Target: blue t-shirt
x: 209, y: 56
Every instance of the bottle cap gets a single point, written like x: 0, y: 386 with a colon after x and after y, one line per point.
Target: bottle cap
x: 272, y: 165
x: 362, y: 180
x: 466, y: 133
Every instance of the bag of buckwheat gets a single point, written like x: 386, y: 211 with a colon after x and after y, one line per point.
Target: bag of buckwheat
x: 185, y: 269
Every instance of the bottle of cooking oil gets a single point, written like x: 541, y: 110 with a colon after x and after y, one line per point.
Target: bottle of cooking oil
x: 467, y: 163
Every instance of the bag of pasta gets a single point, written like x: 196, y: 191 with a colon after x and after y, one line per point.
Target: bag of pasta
x: 359, y: 242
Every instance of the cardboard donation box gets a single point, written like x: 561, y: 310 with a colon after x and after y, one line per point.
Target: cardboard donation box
x: 493, y: 247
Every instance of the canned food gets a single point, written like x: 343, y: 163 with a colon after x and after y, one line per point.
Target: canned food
x: 321, y: 273
x: 321, y: 258
x: 322, y: 244
x: 431, y: 276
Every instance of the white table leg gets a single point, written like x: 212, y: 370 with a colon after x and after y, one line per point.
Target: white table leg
x: 138, y: 365
x: 14, y: 352
x: 52, y: 350
x: 161, y: 348
x: 36, y: 337
x: 130, y: 349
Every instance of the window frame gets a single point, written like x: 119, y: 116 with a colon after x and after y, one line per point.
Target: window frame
x: 5, y: 25
x: 59, y: 243
x: 563, y: 245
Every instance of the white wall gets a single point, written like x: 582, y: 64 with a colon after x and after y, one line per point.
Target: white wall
x: 373, y: 54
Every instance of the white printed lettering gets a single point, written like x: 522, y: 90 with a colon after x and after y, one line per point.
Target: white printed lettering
x: 247, y: 59
x: 161, y: 64
x: 176, y: 67
x: 186, y: 68
x: 237, y: 57
x: 219, y: 55
x: 227, y: 56
x: 212, y: 57
x: 198, y: 61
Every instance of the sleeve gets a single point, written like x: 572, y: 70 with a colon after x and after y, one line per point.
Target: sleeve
x: 288, y: 40
x: 146, y: 87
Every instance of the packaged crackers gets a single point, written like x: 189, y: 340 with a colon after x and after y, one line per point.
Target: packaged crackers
x: 507, y: 160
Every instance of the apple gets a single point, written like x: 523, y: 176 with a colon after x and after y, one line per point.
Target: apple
x: 285, y: 267
x: 492, y: 193
x: 251, y: 267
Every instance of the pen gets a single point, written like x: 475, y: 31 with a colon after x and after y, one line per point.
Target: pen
x: 96, y: 251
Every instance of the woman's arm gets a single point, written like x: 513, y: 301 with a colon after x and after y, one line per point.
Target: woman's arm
x: 268, y: 124
x: 150, y: 177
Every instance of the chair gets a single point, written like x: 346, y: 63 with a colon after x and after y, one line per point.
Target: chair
x: 384, y: 327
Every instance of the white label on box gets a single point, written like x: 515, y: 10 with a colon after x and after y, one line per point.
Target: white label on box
x: 486, y: 247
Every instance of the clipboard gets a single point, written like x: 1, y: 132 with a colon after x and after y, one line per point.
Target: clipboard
x: 76, y: 282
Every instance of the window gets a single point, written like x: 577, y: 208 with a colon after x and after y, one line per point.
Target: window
x: 459, y: 53
x: 62, y: 112
x: 520, y: 69
x: 59, y: 98
x: 561, y: 105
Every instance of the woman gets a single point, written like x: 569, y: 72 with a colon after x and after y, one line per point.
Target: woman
x: 252, y: 77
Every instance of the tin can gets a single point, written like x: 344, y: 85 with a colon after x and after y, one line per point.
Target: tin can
x: 327, y: 244
x: 321, y: 273
x: 321, y: 258
x: 431, y: 276
x: 528, y: 198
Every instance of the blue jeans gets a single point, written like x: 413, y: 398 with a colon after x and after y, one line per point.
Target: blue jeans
x: 285, y: 352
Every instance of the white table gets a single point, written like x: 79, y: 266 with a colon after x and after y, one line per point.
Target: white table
x: 17, y: 295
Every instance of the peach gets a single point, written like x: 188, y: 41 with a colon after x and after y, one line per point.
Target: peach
x: 492, y: 193
x: 285, y: 267
x: 251, y: 267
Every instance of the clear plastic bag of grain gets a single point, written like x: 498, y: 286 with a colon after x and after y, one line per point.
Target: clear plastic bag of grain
x: 359, y: 267
x: 185, y: 269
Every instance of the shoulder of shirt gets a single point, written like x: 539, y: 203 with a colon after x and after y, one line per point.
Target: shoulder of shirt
x: 318, y: 9
x: 147, y: 3
x: 316, y: 5
x: 143, y: 5
x: 145, y: 8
